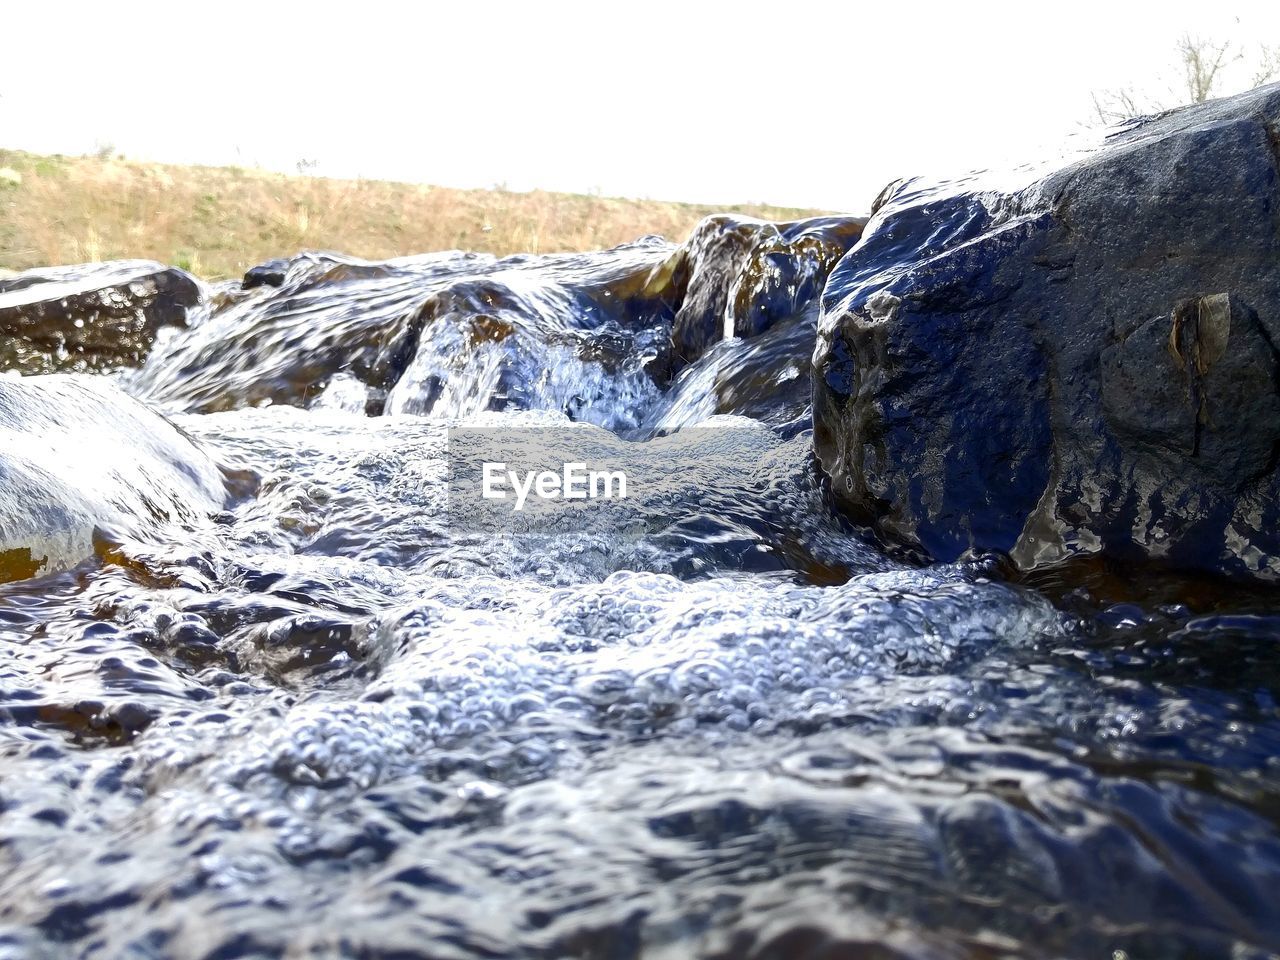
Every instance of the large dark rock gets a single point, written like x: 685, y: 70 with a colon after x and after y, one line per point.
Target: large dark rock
x: 1083, y: 364
x: 90, y: 317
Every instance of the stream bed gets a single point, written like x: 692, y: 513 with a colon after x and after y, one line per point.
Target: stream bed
x: 325, y: 718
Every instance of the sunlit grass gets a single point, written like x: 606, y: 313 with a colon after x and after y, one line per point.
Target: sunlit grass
x: 218, y: 221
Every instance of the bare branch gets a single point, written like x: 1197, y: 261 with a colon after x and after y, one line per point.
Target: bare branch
x: 1268, y: 65
x: 1202, y: 61
x: 1207, y: 67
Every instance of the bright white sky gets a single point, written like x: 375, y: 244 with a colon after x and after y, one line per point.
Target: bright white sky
x: 793, y: 102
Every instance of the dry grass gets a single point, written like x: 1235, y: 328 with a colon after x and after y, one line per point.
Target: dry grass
x: 218, y: 221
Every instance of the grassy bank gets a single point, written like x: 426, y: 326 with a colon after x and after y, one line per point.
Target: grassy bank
x: 217, y: 221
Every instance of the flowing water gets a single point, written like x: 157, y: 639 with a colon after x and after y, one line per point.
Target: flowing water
x: 324, y: 717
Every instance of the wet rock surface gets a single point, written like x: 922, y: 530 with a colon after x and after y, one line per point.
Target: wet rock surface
x: 80, y: 460
x: 740, y: 277
x: 1082, y: 362
x: 596, y: 337
x: 90, y: 317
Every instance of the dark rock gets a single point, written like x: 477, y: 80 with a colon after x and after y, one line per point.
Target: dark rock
x: 269, y: 274
x: 90, y: 317
x: 1084, y: 364
x: 737, y: 276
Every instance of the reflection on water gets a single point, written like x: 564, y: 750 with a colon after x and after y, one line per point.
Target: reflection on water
x: 326, y: 722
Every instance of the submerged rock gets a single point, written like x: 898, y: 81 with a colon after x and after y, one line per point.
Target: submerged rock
x: 765, y: 378
x: 90, y: 317
x: 596, y: 336
x: 1084, y: 363
x: 78, y: 456
x: 570, y: 333
x: 449, y: 333
x: 282, y: 345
